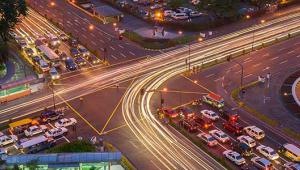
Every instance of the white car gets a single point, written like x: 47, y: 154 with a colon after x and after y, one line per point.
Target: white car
x: 208, y: 139
x: 219, y: 135
x: 254, y: 132
x: 65, y: 122
x: 35, y: 130
x: 247, y: 140
x: 210, y: 114
x: 267, y: 152
x: 56, y: 132
x: 168, y: 13
x: 6, y: 140
x: 54, y: 73
x: 234, y: 157
x: 261, y: 163
x: 291, y: 166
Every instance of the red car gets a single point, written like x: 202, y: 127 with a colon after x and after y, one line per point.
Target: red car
x: 203, y: 122
x: 233, y: 127
x: 168, y: 112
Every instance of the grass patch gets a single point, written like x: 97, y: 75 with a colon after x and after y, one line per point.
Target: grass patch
x: 72, y: 147
x: 198, y: 143
x: 151, y: 43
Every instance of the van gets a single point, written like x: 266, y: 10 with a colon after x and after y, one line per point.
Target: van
x: 180, y: 16
x: 291, y: 151
x: 254, y: 132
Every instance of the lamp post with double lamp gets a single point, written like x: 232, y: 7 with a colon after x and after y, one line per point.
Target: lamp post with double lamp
x: 254, y: 23
x: 143, y: 91
x: 188, y: 62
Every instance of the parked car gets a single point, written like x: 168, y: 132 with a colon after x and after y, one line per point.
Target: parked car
x: 63, y: 37
x: 242, y: 148
x: 36, y: 60
x: 44, y: 65
x: 56, y: 132
x: 73, y: 42
x: 74, y: 52
x: 54, y: 73
x: 291, y: 166
x: 35, y: 130
x: 65, y: 122
x: 208, y: 139
x: 267, y: 152
x: 70, y: 64
x: 203, y: 122
x: 254, y: 132
x: 63, y: 56
x: 262, y: 163
x: 220, y: 135
x: 29, y: 51
x: 83, y: 51
x: 93, y: 59
x: 156, y: 6
x: 247, y: 140
x: 210, y: 114
x: 234, y: 157
x: 168, y: 13
x: 7, y: 140
x: 50, y: 115
x: 180, y: 16
x: 233, y: 127
x: 80, y: 61
x: 184, y: 10
x: 195, y: 14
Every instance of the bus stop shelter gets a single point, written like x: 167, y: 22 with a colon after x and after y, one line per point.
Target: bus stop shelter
x: 107, y: 14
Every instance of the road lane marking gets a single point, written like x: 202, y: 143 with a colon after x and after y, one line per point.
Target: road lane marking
x: 123, y: 55
x: 281, y: 49
x: 274, y: 58
x: 247, y: 61
x: 266, y: 68
x: 112, y: 48
x: 290, y: 52
x: 131, y: 53
x: 114, y: 57
x: 248, y: 75
x: 120, y: 46
x: 283, y: 62
x: 266, y: 55
x: 256, y: 65
x: 209, y: 75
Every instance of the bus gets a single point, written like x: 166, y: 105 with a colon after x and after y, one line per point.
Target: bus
x: 35, y: 144
x: 19, y: 126
x: 291, y: 151
x: 213, y: 100
x: 49, y: 55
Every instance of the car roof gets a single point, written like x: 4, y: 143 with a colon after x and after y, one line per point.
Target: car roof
x: 293, y: 148
x: 264, y: 161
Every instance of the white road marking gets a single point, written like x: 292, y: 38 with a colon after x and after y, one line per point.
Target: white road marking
x: 131, y: 53
x: 120, y: 46
x: 112, y: 48
x: 266, y: 68
x: 265, y: 55
x: 283, y: 62
x: 248, y: 75
x: 209, y: 75
x: 290, y: 52
x: 256, y: 65
x: 247, y: 61
x: 274, y: 58
x: 93, y: 42
x: 114, y: 57
x: 218, y: 79
x: 281, y: 49
x: 123, y: 55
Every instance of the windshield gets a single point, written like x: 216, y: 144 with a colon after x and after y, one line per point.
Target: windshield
x: 213, y: 114
x: 223, y: 136
x: 210, y: 139
x: 272, y: 153
x: 239, y: 157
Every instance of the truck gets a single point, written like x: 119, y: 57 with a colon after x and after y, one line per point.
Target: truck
x: 49, y: 55
x: 214, y: 100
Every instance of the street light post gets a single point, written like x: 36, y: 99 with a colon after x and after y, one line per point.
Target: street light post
x: 51, y: 86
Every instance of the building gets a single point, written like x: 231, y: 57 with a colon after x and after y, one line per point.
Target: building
x: 66, y: 161
x: 107, y: 14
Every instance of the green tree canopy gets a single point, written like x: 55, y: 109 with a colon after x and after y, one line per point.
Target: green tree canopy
x: 174, y: 4
x: 221, y: 8
x: 10, y: 13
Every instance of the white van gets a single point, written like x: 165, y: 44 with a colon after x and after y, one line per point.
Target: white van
x: 180, y: 16
x: 254, y: 132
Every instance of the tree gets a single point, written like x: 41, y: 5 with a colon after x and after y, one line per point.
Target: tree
x: 174, y: 4
x: 220, y: 8
x: 10, y: 13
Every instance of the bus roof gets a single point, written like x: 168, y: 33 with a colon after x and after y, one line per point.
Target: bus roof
x: 292, y: 148
x: 34, y: 141
x: 215, y: 96
x: 50, y: 53
x: 20, y: 123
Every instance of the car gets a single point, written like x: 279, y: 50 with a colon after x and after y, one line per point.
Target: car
x: 254, y: 132
x: 233, y: 127
x: 291, y: 166
x: 29, y: 40
x: 65, y: 122
x: 44, y: 66
x: 190, y: 125
x: 56, y: 132
x: 228, y: 115
x: 73, y: 42
x: 13, y: 34
x: 80, y: 61
x: 7, y: 140
x: 203, y: 122
x: 242, y: 148
x: 49, y: 115
x: 168, y: 13
x: 208, y: 139
x: 155, y: 6
x: 169, y: 112
x: 74, y: 52
x: 247, y: 140
x: 93, y: 59
x: 23, y: 44
x: 262, y: 163
x: 63, y: 37
x: 84, y: 52
x: 29, y: 51
x: 54, y: 73
x: 195, y: 14
x: 35, y: 130
x: 234, y: 157
x: 186, y: 112
x: 36, y: 59
x: 267, y: 152
x: 179, y: 16
x: 220, y: 135
x: 184, y: 10
x: 70, y: 64
x: 210, y: 115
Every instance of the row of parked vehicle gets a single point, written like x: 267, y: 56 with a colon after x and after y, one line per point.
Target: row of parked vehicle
x: 247, y: 139
x: 36, y: 135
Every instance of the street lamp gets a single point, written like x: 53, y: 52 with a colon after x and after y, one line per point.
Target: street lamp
x: 255, y: 22
x: 91, y: 27
x: 52, y: 4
